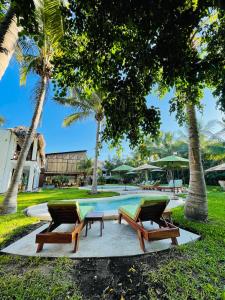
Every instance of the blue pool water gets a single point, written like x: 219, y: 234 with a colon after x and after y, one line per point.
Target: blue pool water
x: 107, y: 205
x: 115, y: 187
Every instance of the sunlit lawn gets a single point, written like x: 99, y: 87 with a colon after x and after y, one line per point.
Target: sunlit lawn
x: 198, y: 269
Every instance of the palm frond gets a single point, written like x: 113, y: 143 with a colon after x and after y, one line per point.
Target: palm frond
x: 54, y: 24
x: 28, y: 65
x: 48, y: 15
x: 79, y: 116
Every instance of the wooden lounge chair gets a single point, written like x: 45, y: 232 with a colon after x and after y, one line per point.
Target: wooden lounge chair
x: 151, y: 209
x: 68, y: 212
x: 153, y: 186
x: 174, y: 186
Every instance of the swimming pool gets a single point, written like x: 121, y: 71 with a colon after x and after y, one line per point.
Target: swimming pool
x: 112, y: 204
x: 112, y: 187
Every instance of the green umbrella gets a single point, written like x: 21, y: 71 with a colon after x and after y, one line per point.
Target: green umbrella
x: 123, y: 170
x: 172, y: 162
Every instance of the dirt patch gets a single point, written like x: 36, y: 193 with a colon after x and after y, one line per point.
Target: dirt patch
x: 118, y: 278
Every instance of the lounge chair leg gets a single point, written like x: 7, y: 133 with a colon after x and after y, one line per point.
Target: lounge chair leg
x: 119, y: 218
x: 40, y: 247
x: 174, y: 241
x: 141, y: 240
x: 76, y: 243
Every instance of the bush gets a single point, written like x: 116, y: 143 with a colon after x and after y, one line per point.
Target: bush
x: 60, y: 180
x: 212, y: 178
x: 101, y: 180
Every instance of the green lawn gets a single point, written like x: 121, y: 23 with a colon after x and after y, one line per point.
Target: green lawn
x: 193, y: 271
x: 197, y: 270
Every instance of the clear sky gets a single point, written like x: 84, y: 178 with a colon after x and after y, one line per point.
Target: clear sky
x: 16, y: 106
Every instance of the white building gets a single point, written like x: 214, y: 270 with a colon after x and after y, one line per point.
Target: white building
x: 11, y: 141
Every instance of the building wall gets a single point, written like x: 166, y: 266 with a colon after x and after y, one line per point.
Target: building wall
x: 7, y: 150
x: 8, y: 143
x: 64, y: 163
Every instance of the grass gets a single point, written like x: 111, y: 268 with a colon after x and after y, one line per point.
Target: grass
x: 197, y: 270
x: 192, y: 271
x: 16, y: 223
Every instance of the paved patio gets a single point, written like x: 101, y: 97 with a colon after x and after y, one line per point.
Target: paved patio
x: 117, y: 240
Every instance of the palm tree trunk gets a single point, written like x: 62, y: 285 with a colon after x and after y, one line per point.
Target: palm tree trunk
x: 94, y: 181
x: 8, y: 39
x: 10, y: 200
x: 196, y: 207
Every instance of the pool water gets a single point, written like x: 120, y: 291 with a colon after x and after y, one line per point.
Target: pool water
x: 116, y: 187
x: 108, y: 205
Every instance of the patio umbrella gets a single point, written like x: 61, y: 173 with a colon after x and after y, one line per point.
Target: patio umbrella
x: 145, y: 168
x: 123, y: 170
x: 220, y: 167
x: 172, y: 163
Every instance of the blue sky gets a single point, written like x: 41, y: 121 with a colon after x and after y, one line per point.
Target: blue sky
x: 16, y: 106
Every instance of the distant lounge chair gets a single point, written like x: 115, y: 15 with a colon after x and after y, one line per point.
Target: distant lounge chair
x: 151, y: 186
x: 151, y: 209
x: 176, y: 186
x: 63, y: 212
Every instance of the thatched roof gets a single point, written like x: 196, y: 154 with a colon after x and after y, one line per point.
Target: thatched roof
x: 21, y: 131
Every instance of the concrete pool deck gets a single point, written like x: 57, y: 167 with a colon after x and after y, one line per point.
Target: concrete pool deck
x: 118, y: 240
x: 41, y: 210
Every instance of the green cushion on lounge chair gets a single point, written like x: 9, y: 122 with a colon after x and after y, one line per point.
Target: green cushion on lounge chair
x: 149, y: 200
x: 81, y: 210
x: 84, y: 210
x: 130, y: 210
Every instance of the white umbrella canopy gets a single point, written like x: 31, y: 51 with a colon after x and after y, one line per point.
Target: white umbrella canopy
x: 220, y: 167
x: 145, y: 168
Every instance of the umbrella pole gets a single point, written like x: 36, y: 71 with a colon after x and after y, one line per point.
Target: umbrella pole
x: 146, y: 175
x: 173, y: 181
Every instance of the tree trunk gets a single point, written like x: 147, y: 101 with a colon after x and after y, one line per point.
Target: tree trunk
x: 94, y: 181
x: 196, y: 207
x: 8, y: 39
x: 10, y: 200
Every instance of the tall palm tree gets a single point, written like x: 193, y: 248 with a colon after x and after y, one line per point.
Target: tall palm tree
x: 85, y: 108
x: 196, y: 206
x: 8, y: 38
x: 36, y: 58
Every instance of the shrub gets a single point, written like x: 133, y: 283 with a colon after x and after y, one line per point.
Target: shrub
x: 60, y: 180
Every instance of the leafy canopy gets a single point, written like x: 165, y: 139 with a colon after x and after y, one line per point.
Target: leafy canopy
x: 125, y: 48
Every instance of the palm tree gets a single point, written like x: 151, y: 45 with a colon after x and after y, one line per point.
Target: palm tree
x: 8, y: 38
x: 196, y: 206
x: 36, y: 59
x: 86, y: 166
x: 85, y: 108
